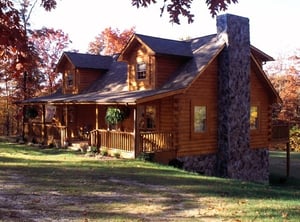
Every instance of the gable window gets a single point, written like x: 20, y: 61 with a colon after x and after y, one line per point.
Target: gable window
x: 200, y: 123
x: 254, y: 117
x: 70, y: 80
x: 141, y: 70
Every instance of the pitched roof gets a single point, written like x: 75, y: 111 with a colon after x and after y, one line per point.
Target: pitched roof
x: 112, y: 87
x: 89, y: 61
x: 166, y: 46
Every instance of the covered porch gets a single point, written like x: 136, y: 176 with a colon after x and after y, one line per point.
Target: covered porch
x: 60, y: 125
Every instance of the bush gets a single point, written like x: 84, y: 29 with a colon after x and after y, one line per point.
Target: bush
x: 94, y: 149
x: 117, y: 155
x: 104, y: 152
x: 295, y: 139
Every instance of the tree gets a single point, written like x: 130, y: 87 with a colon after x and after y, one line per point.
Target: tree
x: 284, y: 73
x: 49, y: 44
x: 12, y: 31
x: 110, y: 41
x: 175, y: 8
x: 20, y: 77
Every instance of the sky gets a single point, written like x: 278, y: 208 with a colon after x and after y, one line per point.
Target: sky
x: 274, y: 24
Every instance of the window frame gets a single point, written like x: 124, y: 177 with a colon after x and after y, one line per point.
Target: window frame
x: 141, y: 73
x: 144, y: 118
x: 204, y: 128
x: 70, y: 78
x: 256, y: 124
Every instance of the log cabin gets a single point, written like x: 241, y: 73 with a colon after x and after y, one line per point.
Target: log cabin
x: 204, y: 102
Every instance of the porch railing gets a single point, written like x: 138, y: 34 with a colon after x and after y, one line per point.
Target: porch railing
x: 280, y: 133
x: 156, y: 141
x: 112, y: 139
x: 125, y: 141
x: 48, y: 134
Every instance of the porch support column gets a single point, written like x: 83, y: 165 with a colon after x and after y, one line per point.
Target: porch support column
x: 44, y: 125
x: 97, y: 117
x: 66, y: 119
x: 135, y: 132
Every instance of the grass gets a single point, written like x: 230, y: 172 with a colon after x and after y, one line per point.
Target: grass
x: 59, y: 185
x: 278, y: 169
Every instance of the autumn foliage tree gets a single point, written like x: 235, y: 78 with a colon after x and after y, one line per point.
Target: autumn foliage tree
x: 49, y: 44
x: 21, y: 57
x: 110, y: 41
x: 175, y: 8
x: 12, y: 27
x: 284, y: 73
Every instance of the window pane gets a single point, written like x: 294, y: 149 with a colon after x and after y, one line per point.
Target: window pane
x: 150, y: 117
x: 70, y: 79
x: 254, y: 117
x: 141, y: 69
x: 199, y: 118
x: 147, y: 117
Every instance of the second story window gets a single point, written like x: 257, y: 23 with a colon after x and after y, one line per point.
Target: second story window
x: 141, y: 70
x: 70, y: 80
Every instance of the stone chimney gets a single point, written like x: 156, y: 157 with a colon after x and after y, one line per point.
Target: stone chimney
x: 234, y: 158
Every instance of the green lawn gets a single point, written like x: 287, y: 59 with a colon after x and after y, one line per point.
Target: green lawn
x: 59, y: 185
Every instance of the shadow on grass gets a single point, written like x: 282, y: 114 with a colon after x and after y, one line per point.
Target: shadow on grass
x: 117, y: 188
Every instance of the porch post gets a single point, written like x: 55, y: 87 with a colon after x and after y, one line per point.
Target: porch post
x: 66, y: 119
x: 135, y: 132
x: 97, y: 117
x: 44, y: 124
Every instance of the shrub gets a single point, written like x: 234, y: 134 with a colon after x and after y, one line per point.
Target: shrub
x: 295, y: 139
x: 94, y: 149
x: 104, y: 152
x: 117, y: 155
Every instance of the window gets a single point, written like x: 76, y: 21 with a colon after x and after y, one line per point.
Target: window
x: 254, y: 117
x: 200, y: 119
x: 147, y: 117
x: 141, y: 69
x: 69, y: 80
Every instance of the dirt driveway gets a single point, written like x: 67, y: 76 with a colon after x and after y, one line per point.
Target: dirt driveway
x: 19, y: 201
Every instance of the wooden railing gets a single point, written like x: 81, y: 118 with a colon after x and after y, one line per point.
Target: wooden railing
x: 47, y: 133
x: 156, y: 141
x: 280, y: 133
x: 112, y: 139
x: 148, y: 141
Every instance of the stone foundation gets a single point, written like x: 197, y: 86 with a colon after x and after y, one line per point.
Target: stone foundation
x: 203, y: 164
x: 253, y: 165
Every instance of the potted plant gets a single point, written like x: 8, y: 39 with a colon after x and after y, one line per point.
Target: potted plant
x: 114, y: 116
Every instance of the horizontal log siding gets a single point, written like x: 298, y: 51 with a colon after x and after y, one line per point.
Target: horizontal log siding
x: 142, y: 53
x: 260, y: 138
x: 165, y: 111
x: 203, y: 91
x: 165, y: 66
x: 86, y: 116
x: 67, y: 67
x: 86, y: 77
